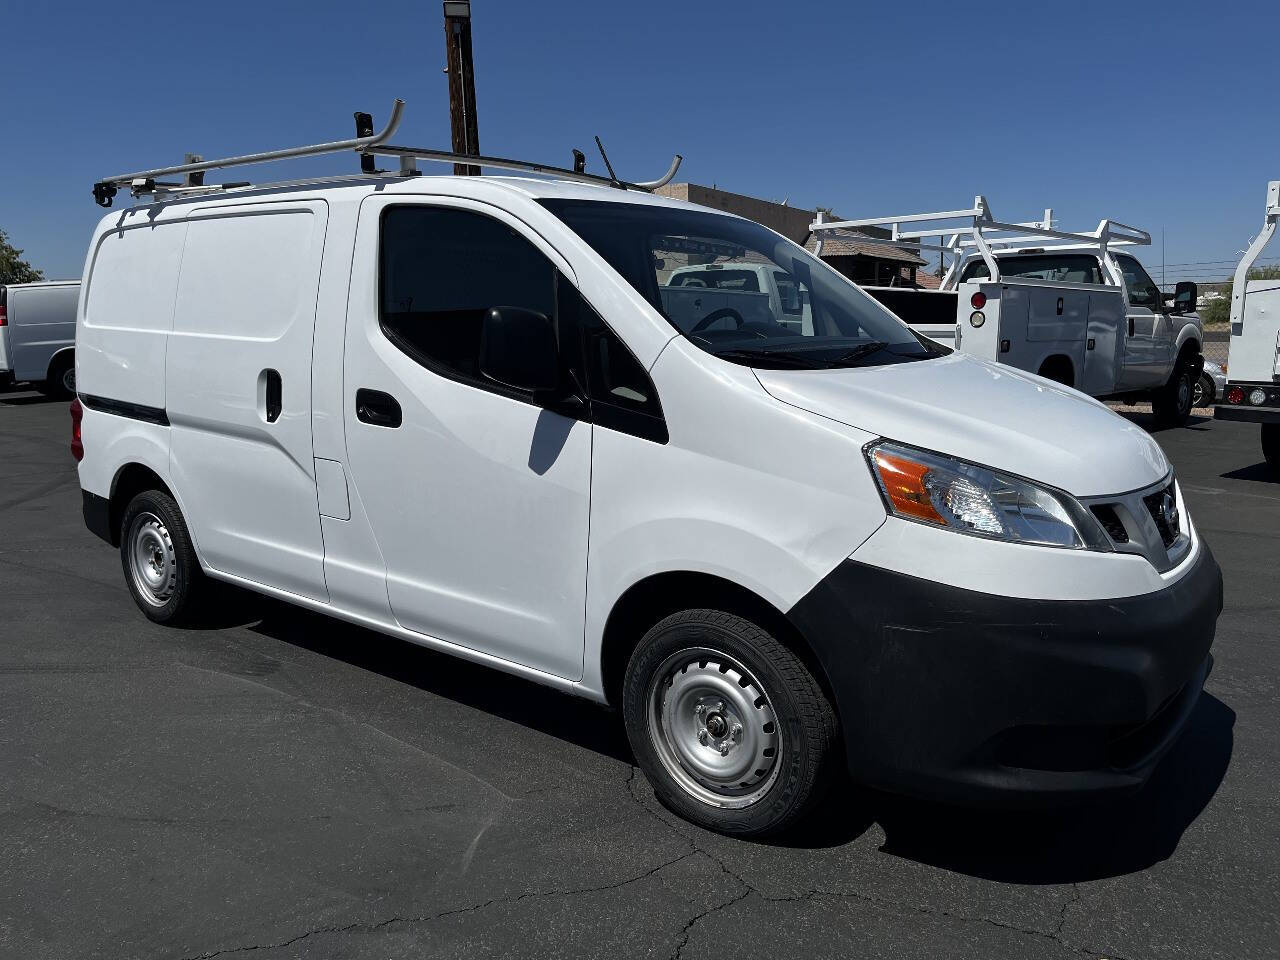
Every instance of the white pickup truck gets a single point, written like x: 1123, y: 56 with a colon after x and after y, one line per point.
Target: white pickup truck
x: 1078, y: 310
x: 1252, y: 392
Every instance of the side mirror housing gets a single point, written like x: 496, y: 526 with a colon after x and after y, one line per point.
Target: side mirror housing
x: 1185, y: 295
x: 518, y: 349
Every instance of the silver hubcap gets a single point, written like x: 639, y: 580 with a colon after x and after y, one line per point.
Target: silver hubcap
x: 714, y: 728
x: 69, y: 380
x: 152, y: 561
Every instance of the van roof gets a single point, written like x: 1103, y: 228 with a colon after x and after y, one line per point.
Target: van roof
x: 536, y: 188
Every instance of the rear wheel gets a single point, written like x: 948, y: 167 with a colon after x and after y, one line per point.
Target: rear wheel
x: 730, y: 727
x: 1202, y: 395
x: 61, y: 381
x: 160, y: 564
x: 1271, y: 445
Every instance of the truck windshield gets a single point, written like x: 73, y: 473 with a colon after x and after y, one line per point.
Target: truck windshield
x: 1057, y: 268
x: 740, y: 291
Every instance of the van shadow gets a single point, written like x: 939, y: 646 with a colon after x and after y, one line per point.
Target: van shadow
x: 25, y: 399
x: 568, y: 718
x: 1078, y: 844
x: 1258, y: 473
x: 1042, y: 847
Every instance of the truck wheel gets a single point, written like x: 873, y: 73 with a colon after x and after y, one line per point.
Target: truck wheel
x: 1271, y: 445
x: 61, y: 381
x: 1171, y: 404
x: 160, y: 564
x: 730, y: 727
x: 1202, y: 395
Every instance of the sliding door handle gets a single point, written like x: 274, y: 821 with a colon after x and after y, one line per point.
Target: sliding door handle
x: 377, y: 408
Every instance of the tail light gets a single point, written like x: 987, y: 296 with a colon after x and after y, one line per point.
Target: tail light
x: 1235, y: 395
x: 77, y: 415
x: 4, y: 315
x: 978, y: 300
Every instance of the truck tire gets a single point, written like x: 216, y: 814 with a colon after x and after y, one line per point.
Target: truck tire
x: 1271, y: 446
x: 729, y: 726
x: 61, y: 380
x: 1171, y: 404
x: 160, y: 564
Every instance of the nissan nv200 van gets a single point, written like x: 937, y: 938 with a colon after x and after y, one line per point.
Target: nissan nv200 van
x: 457, y: 410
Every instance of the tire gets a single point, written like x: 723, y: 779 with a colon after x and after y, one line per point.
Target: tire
x: 160, y: 564
x: 61, y: 382
x: 729, y: 726
x: 1202, y: 394
x: 1271, y: 446
x: 1171, y: 404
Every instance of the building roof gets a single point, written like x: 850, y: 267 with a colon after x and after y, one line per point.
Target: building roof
x: 928, y: 281
x: 852, y: 243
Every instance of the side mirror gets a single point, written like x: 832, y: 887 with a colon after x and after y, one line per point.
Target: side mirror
x: 1185, y: 295
x: 518, y: 349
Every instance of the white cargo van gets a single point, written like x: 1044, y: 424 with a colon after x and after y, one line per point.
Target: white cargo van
x: 38, y: 335
x: 453, y: 409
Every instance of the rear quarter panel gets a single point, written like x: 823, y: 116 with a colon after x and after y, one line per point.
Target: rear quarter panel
x: 42, y: 322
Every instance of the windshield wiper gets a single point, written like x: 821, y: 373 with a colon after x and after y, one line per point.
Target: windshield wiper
x: 860, y: 351
x: 780, y: 356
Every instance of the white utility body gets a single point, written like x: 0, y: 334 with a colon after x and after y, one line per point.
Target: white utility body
x: 1252, y: 393
x: 460, y: 411
x: 1074, y: 307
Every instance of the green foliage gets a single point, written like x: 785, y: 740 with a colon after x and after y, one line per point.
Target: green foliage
x: 13, y: 269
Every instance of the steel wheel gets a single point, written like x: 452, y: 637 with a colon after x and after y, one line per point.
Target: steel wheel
x: 68, y: 380
x: 153, y: 562
x: 1184, y: 396
x: 714, y: 728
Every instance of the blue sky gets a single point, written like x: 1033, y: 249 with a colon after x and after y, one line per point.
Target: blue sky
x: 1160, y: 115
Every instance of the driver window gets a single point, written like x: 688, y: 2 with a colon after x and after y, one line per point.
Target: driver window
x: 1142, y: 291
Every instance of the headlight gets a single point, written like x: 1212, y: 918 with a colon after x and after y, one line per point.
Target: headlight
x: 939, y: 490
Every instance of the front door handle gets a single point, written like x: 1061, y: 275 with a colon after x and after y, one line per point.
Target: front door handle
x: 378, y: 408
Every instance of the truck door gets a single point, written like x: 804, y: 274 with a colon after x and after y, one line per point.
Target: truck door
x: 238, y: 391
x: 477, y: 494
x: 1146, y: 337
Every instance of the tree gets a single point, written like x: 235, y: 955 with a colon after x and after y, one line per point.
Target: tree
x: 1219, y: 310
x: 13, y: 269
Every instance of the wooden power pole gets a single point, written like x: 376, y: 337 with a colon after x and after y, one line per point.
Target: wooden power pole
x: 462, y: 84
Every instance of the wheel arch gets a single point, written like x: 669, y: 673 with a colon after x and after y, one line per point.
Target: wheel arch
x: 1059, y: 368
x: 60, y: 356
x: 659, y: 595
x: 129, y: 481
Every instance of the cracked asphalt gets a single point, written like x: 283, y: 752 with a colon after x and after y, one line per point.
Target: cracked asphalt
x: 281, y: 785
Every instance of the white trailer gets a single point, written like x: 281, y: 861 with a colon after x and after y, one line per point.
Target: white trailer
x: 1077, y: 309
x: 1252, y: 393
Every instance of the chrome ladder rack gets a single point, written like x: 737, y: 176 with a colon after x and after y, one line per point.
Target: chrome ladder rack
x: 146, y: 182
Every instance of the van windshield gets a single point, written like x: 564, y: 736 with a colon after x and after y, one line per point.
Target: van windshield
x: 740, y: 291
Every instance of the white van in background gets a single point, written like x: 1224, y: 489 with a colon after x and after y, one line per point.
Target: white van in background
x: 456, y: 410
x: 38, y: 335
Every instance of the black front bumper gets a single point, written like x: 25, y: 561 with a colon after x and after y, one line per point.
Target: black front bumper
x: 969, y: 697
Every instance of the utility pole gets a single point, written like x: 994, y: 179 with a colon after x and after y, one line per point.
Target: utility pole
x: 462, y: 84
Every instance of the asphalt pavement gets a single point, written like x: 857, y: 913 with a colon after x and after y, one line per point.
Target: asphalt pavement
x: 282, y: 785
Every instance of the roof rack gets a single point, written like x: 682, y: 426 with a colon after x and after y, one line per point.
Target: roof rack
x: 1240, y: 281
x: 985, y: 233
x: 368, y: 145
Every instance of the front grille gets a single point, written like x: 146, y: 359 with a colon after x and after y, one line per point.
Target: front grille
x: 1162, y: 505
x: 1110, y: 521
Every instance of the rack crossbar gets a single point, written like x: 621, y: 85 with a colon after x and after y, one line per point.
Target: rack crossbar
x: 144, y: 181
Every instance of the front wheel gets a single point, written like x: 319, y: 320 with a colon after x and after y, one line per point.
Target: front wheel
x: 1271, y: 445
x: 1171, y: 404
x: 729, y: 726
x: 160, y: 563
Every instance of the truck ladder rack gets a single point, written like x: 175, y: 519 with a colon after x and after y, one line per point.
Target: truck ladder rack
x: 984, y: 233
x: 145, y: 182
x: 1240, y: 282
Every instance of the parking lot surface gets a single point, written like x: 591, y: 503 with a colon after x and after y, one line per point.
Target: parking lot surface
x: 279, y: 784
